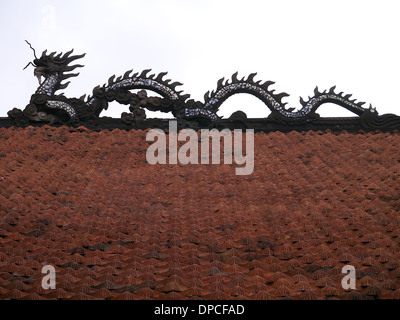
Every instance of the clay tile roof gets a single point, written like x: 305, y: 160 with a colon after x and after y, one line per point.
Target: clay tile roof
x: 115, y: 227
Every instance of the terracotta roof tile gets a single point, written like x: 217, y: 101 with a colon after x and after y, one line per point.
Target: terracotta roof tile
x: 117, y: 228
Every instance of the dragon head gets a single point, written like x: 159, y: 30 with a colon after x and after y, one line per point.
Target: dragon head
x: 49, y: 64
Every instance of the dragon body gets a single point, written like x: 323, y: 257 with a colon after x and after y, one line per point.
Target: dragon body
x: 47, y: 105
x: 274, y: 101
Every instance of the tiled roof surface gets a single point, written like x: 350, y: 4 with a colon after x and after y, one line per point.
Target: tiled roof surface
x: 116, y: 227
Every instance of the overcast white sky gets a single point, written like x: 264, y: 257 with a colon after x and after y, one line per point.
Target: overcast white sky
x: 352, y: 44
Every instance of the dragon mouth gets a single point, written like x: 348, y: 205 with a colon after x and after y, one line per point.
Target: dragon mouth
x: 39, y: 79
x: 39, y: 72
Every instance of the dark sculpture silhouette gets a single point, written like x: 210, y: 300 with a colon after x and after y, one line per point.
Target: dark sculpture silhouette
x: 49, y: 107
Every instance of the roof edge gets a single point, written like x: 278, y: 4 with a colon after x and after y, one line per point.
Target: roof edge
x: 384, y: 123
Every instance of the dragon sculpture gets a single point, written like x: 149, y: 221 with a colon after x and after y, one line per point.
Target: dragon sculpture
x: 48, y: 106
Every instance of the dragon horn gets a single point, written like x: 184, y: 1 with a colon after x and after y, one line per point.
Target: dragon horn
x: 67, y: 54
x: 70, y: 59
x: 74, y: 67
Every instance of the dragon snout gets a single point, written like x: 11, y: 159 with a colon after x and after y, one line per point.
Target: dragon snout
x: 39, y: 72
